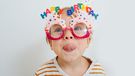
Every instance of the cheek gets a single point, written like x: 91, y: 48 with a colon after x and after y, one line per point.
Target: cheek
x: 82, y: 44
x: 56, y: 46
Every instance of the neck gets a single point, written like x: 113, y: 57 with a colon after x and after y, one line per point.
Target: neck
x: 76, y: 64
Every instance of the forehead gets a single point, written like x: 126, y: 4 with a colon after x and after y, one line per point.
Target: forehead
x: 66, y: 18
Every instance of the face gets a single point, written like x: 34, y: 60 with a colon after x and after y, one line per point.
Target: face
x: 69, y: 48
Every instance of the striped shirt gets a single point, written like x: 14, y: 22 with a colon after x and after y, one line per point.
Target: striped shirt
x: 52, y: 68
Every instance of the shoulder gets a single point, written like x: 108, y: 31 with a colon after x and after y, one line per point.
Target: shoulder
x: 97, y: 69
x: 47, y: 68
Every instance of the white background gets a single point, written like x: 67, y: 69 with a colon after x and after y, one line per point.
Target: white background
x: 22, y: 39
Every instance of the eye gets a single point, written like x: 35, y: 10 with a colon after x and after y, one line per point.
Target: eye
x: 80, y: 27
x: 77, y: 28
x: 58, y: 30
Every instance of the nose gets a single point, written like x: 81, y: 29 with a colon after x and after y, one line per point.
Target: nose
x: 68, y: 34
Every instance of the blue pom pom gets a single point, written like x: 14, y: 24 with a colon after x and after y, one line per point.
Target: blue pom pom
x: 69, y: 12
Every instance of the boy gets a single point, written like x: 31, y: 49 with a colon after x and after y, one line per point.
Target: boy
x: 69, y: 32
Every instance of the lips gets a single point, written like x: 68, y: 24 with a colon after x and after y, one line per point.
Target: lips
x: 69, y: 47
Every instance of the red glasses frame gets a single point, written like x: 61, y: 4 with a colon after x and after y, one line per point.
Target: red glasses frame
x: 88, y: 33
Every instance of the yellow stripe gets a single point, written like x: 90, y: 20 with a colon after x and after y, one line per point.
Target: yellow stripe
x: 54, y: 75
x: 97, y: 69
x: 97, y: 65
x: 48, y: 71
x: 96, y: 73
x: 51, y: 62
x: 46, y: 67
x: 36, y: 74
x: 52, y: 71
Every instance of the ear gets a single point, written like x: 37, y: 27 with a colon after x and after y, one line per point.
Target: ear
x: 88, y: 41
x: 49, y: 42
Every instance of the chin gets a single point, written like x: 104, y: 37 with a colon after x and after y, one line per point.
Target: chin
x: 70, y: 56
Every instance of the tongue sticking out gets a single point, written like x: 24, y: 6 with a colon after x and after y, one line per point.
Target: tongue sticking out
x: 69, y: 47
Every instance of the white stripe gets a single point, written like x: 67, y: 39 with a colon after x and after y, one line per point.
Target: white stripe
x: 47, y: 69
x: 49, y: 73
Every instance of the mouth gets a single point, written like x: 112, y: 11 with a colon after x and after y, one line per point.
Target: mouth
x: 69, y: 47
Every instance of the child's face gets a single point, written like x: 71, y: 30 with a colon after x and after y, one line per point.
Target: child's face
x: 69, y: 48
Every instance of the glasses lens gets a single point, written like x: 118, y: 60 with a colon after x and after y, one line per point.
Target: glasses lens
x: 56, y: 31
x: 80, y: 29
